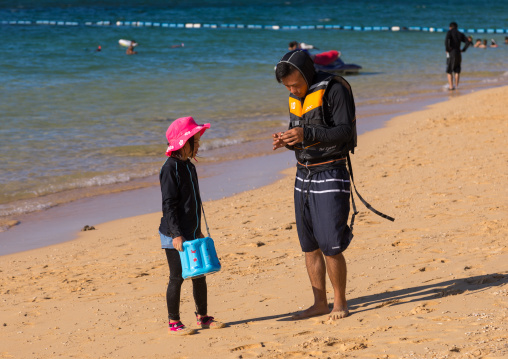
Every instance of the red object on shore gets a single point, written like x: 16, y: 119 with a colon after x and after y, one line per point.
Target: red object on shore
x: 326, y: 58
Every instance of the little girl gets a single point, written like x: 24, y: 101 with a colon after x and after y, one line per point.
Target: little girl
x: 181, y: 219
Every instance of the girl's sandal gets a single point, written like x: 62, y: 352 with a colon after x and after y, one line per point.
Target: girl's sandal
x: 207, y: 322
x: 179, y: 329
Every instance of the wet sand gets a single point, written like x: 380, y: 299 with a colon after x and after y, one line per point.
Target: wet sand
x: 63, y: 223
x: 432, y: 284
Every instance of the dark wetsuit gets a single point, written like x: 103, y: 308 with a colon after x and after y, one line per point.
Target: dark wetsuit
x: 452, y: 44
x: 181, y: 208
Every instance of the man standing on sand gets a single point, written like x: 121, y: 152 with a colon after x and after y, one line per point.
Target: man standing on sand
x: 453, y: 54
x: 321, y: 132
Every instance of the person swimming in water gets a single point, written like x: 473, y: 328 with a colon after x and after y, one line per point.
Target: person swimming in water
x: 130, y: 50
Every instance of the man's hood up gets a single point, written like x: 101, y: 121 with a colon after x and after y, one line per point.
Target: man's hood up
x: 302, y: 61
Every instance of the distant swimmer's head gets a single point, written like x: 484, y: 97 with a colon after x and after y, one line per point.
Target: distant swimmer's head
x: 296, y: 71
x: 182, y: 131
x: 293, y: 45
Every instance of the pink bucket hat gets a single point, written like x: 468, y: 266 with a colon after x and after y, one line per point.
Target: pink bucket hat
x: 180, y: 131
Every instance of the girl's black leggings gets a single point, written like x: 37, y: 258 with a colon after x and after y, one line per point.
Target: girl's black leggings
x: 175, y: 285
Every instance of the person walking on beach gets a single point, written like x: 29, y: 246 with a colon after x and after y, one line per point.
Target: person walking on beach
x: 453, y: 54
x: 321, y: 131
x: 181, y: 219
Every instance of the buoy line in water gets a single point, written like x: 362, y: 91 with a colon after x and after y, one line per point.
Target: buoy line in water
x: 242, y: 26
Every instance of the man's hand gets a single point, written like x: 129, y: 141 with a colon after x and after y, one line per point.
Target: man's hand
x: 277, y: 140
x: 178, y: 243
x: 290, y: 137
x: 293, y: 136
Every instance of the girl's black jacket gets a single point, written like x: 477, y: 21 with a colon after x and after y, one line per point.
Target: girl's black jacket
x: 181, y: 202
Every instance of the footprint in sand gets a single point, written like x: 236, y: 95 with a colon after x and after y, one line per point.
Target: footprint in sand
x: 353, y: 346
x: 447, y: 292
x: 302, y: 354
x: 320, y: 342
x: 387, y: 303
x: 248, y: 346
x: 485, y: 280
x: 423, y: 308
x: 302, y: 333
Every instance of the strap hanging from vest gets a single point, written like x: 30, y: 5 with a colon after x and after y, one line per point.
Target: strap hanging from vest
x: 355, y: 212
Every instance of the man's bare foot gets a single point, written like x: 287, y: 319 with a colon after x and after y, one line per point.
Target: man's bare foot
x: 339, y: 313
x: 312, y: 311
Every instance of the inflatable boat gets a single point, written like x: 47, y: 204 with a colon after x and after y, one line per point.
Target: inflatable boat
x: 330, y: 61
x: 339, y: 67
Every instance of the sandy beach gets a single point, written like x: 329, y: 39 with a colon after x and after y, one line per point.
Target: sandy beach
x: 432, y: 284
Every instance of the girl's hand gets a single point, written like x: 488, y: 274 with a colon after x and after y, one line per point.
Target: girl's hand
x: 178, y: 243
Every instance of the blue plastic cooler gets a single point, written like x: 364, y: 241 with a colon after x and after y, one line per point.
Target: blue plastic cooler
x: 199, y: 258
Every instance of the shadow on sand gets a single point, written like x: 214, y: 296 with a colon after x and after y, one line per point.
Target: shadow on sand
x: 459, y: 286
x: 421, y: 293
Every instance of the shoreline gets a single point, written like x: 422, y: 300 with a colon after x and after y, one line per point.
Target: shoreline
x: 63, y: 223
x: 372, y: 116
x: 22, y: 225
x: 432, y: 284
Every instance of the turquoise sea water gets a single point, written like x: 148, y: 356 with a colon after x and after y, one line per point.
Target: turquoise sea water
x: 72, y: 118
